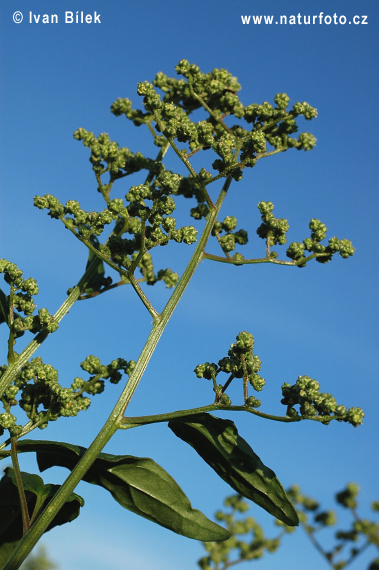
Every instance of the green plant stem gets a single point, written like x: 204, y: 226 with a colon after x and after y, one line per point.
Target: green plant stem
x: 20, y: 486
x: 207, y: 108
x: 358, y: 553
x: 113, y: 422
x: 144, y: 420
x: 221, y: 259
x: 11, y: 339
x: 318, y: 546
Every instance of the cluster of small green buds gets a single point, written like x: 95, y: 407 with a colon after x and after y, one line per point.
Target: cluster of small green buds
x: 216, y: 94
x: 307, y: 505
x: 149, y: 225
x: 248, y: 540
x: 252, y: 402
x: 107, y: 156
x: 51, y: 203
x: 314, y: 404
x: 7, y: 422
x: 278, y: 123
x: 348, y: 497
x: 208, y: 370
x: 323, y: 253
x: 231, y: 238
x: 21, y: 299
x: 326, y: 518
x: 364, y: 531
x: 240, y: 363
x: 272, y: 229
x: 218, y: 88
x: 146, y: 215
x: 86, y: 224
x: 28, y: 287
x: 42, y: 397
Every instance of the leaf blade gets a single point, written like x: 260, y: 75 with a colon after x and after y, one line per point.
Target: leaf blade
x: 36, y: 492
x: 138, y: 484
x: 219, y: 444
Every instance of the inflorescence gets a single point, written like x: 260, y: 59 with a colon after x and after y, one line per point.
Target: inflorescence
x: 305, y: 393
x: 43, y: 399
x: 240, y: 363
x: 195, y: 113
x: 145, y: 219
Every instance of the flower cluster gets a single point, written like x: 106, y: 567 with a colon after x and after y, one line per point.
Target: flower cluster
x: 21, y: 299
x: 230, y: 238
x: 216, y: 93
x: 274, y: 231
x: 107, y: 156
x: 248, y: 540
x: 323, y: 253
x: 148, y: 225
x: 315, y: 404
x: 240, y: 363
x: 42, y: 397
x: 354, y: 540
x: 237, y: 136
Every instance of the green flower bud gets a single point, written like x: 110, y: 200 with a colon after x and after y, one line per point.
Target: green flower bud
x: 238, y: 258
x: 29, y: 286
x: 245, y: 342
x: 327, y: 518
x: 170, y: 278
x: 281, y: 100
x: 306, y: 141
x: 252, y: 402
x: 207, y: 370
x: 7, y: 420
x: 306, y: 110
x: 189, y: 234
x: 347, y: 497
x: 228, y: 242
x: 225, y: 400
x: 229, y: 224
x: 355, y: 416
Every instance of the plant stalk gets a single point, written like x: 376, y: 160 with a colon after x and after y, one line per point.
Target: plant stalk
x: 113, y: 422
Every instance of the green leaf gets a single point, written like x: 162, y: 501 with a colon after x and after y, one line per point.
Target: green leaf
x: 98, y: 279
x: 136, y: 483
x: 4, y: 312
x: 4, y: 308
x: 217, y: 441
x: 37, y: 496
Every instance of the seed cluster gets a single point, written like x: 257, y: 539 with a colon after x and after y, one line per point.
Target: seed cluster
x: 240, y: 363
x: 194, y: 114
x: 312, y: 403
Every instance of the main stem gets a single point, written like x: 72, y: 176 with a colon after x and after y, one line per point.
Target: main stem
x: 113, y: 422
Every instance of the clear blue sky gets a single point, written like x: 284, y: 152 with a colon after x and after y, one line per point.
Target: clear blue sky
x: 320, y: 321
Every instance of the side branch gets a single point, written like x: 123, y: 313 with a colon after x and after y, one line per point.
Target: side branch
x: 124, y: 273
x: 131, y: 422
x: 232, y: 261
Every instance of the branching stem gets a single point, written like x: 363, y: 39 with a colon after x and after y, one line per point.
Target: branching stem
x: 20, y: 486
x: 114, y: 421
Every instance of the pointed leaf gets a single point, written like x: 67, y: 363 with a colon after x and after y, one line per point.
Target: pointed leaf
x: 98, y: 279
x: 4, y: 308
x: 36, y: 492
x: 217, y: 441
x: 136, y: 483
